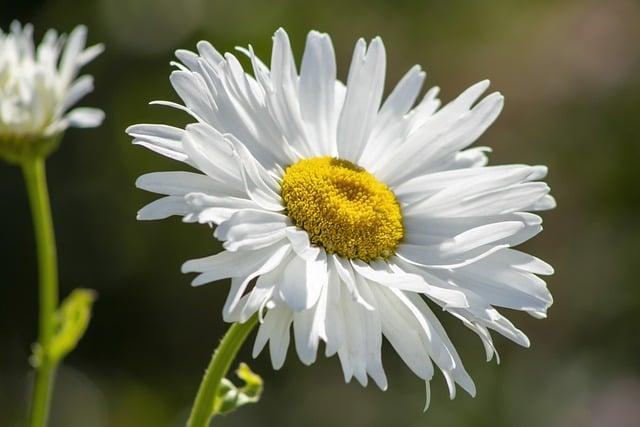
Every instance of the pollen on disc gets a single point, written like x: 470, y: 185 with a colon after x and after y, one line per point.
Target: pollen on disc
x: 343, y: 208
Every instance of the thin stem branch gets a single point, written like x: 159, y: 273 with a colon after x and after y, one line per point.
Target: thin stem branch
x: 203, y: 407
x: 36, y: 182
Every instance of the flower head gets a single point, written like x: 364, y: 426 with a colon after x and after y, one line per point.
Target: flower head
x: 39, y: 86
x: 345, y: 216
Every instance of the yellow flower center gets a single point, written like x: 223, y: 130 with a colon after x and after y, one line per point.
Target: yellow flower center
x: 343, y: 208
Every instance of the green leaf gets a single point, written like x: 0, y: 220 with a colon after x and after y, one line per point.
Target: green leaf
x: 72, y: 320
x: 229, y: 397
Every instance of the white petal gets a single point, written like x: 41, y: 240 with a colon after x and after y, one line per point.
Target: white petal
x: 275, y: 256
x: 402, y: 330
x: 474, y: 157
x: 512, y: 198
x: 275, y: 328
x: 89, y: 54
x: 303, y: 281
x: 433, y: 148
x: 282, y: 95
x: 165, y: 140
x: 425, y: 109
x: 500, y: 285
x: 532, y: 226
x: 465, y: 181
x: 334, y: 320
x: 363, y: 339
x: 391, y: 126
x: 437, y: 344
x: 212, y: 154
x: 479, y: 311
x: 364, y: 93
x: 77, y: 91
x: 317, y: 87
x: 188, y: 58
x: 380, y: 272
x: 435, y: 288
x: 209, y: 53
x: 207, y: 208
x: 345, y: 272
x: 467, y: 245
x: 258, y: 183
x: 245, y: 266
x: 73, y: 48
x: 163, y: 208
x: 300, y: 242
x: 84, y: 117
x: 193, y: 91
x: 250, y: 229
x: 279, y: 341
x: 522, y: 261
x: 441, y: 348
x: 259, y: 295
x: 308, y: 328
x: 175, y: 183
x: 544, y: 204
x: 401, y: 98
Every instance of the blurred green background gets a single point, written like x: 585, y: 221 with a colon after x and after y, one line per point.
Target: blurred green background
x: 570, y: 72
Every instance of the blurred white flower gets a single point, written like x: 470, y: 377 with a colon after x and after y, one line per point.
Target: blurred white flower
x: 39, y: 86
x: 345, y: 216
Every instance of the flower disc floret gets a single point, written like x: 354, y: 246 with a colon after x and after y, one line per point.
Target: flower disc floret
x: 343, y: 208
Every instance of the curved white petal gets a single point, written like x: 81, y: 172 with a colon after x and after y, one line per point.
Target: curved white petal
x: 175, y: 183
x: 469, y: 245
x: 364, y: 93
x: 345, y: 272
x: 81, y: 87
x: 402, y: 330
x: 275, y: 329
x: 261, y: 186
x: 459, y: 180
x: 192, y: 89
x: 226, y: 264
x: 441, y: 348
x: 250, y: 229
x: 268, y: 262
x: 282, y: 95
x: 206, y: 208
x: 300, y: 243
x: 72, y: 50
x: 317, y: 93
x: 334, y: 321
x: 360, y: 353
x: 309, y: 328
x: 391, y: 124
x: 303, y: 281
x: 165, y: 140
x: 431, y: 147
x: 83, y: 117
x: 163, y: 208
x: 209, y: 151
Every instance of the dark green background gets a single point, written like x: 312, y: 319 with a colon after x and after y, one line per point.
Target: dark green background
x: 570, y: 73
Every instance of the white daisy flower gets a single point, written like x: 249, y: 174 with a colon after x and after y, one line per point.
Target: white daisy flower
x: 39, y: 86
x: 345, y: 216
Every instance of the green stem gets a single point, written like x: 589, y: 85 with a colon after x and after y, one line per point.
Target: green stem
x: 36, y: 181
x: 203, y: 407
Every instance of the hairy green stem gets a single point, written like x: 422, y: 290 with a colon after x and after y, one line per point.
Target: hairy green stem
x: 203, y: 407
x: 36, y: 182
